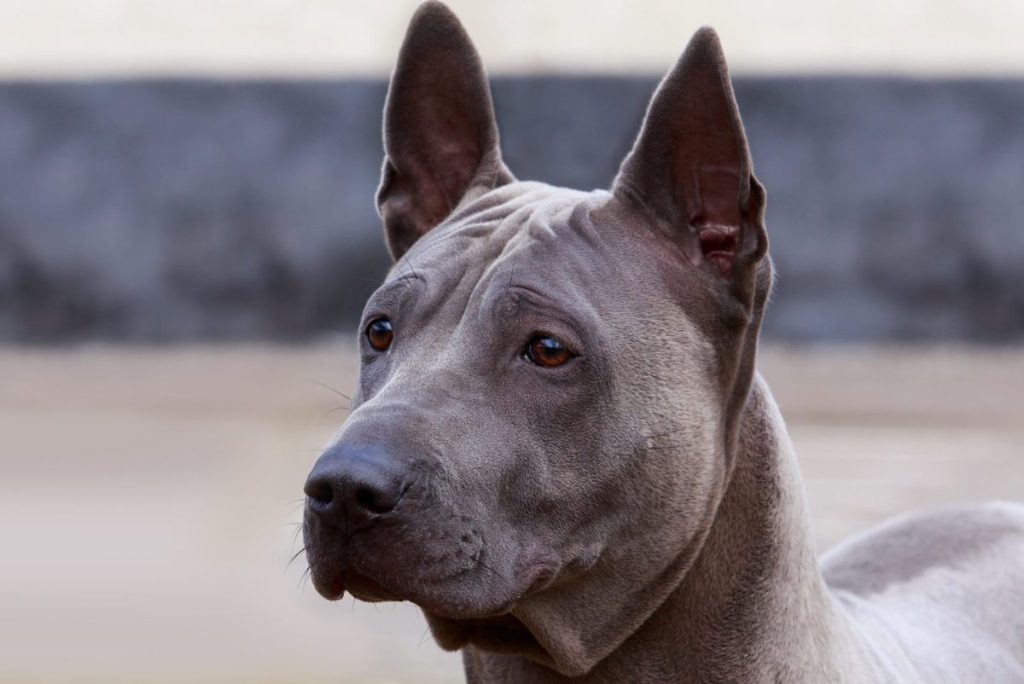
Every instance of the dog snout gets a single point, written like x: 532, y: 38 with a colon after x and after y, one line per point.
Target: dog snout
x: 349, y: 483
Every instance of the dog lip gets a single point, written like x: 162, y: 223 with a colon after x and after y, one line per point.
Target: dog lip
x: 332, y: 583
x: 367, y: 589
x: 331, y: 588
x: 335, y: 573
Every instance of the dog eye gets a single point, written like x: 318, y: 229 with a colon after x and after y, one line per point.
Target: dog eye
x: 547, y: 351
x: 380, y: 334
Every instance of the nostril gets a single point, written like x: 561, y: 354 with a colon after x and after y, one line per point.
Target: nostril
x: 353, y: 483
x: 320, y: 491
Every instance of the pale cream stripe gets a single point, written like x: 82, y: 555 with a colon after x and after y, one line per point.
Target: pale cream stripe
x: 348, y: 37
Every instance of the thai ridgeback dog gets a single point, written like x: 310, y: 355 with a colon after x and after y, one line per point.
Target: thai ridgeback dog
x: 561, y: 450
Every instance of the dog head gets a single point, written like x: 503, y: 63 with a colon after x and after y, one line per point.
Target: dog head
x: 550, y: 379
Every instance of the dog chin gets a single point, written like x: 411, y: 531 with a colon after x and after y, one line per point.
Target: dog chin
x: 482, y: 594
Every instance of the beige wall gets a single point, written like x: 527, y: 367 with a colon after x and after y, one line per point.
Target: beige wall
x: 337, y: 37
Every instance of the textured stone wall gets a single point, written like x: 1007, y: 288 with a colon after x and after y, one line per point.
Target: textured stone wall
x: 173, y: 210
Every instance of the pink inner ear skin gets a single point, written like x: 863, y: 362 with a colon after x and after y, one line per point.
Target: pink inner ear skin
x: 718, y: 245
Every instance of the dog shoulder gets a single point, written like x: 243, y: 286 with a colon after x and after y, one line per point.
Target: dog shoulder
x: 906, y: 548
x: 944, y: 588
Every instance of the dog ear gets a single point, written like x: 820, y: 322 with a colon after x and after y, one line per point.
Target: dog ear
x: 690, y: 167
x: 440, y: 136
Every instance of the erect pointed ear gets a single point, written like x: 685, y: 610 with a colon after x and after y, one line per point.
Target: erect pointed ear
x: 691, y: 168
x: 440, y: 137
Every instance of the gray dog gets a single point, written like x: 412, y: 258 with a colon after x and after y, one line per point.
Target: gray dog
x: 560, y: 448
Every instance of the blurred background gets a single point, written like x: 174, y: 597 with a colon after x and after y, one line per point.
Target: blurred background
x: 187, y: 236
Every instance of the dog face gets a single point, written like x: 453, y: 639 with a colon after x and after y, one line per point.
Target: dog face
x: 549, y: 378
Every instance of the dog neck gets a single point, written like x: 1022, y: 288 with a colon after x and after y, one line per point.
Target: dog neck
x: 753, y: 605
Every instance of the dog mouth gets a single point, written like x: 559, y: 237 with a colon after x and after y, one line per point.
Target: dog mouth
x: 333, y: 585
x: 447, y: 562
x: 475, y: 592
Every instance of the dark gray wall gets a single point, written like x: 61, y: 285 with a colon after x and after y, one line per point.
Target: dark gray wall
x: 168, y: 210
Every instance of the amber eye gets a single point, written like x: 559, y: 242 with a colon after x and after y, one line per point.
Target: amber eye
x: 380, y: 334
x: 547, y: 351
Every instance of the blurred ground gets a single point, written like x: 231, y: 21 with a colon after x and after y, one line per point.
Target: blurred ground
x: 148, y: 497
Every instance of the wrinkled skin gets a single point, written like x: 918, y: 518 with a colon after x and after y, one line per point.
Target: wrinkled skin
x: 588, y: 518
x: 587, y: 453
x: 559, y: 444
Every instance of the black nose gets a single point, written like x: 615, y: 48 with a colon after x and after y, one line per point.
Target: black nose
x: 352, y: 482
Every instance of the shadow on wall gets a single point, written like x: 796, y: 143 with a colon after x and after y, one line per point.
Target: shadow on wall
x: 184, y: 210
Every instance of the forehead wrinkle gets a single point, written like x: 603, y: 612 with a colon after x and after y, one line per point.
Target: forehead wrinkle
x: 394, y: 291
x: 495, y: 218
x: 481, y: 247
x: 523, y: 230
x: 495, y: 203
x: 489, y: 221
x: 581, y: 220
x: 536, y: 230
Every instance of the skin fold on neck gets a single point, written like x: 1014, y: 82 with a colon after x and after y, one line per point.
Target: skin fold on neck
x: 752, y: 608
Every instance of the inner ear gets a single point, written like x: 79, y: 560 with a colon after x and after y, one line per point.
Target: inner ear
x: 717, y: 218
x: 718, y: 245
x: 691, y: 165
x: 440, y: 136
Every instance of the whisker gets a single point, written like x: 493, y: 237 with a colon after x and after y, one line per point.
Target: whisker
x: 297, y: 554
x: 638, y: 451
x: 332, y: 389
x: 333, y: 411
x: 479, y: 561
x: 304, y: 578
x: 664, y: 434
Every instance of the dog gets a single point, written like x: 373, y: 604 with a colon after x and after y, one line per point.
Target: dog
x: 561, y: 450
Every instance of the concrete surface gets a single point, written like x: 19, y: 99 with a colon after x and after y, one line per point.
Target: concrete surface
x: 148, y: 497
